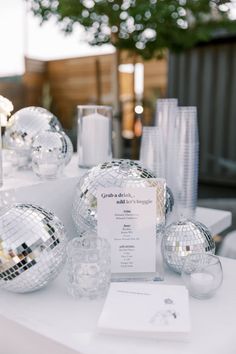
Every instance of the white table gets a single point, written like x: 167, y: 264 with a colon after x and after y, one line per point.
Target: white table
x: 57, y: 196
x: 49, y: 321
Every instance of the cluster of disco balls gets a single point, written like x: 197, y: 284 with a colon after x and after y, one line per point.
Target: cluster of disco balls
x: 32, y: 240
x: 38, y: 140
x: 179, y: 239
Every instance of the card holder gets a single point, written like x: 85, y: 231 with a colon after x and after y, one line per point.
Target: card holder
x: 132, y: 218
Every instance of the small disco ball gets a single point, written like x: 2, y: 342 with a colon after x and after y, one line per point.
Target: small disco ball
x: 50, y: 151
x: 183, y: 238
x: 23, y: 126
x: 116, y: 173
x: 32, y: 248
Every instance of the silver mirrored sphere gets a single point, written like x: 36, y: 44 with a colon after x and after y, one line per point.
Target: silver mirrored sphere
x: 32, y: 248
x: 169, y: 201
x: 50, y: 151
x: 183, y: 238
x: 116, y: 173
x: 23, y: 126
x: 68, y: 149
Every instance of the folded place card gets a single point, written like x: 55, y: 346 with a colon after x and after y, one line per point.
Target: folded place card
x: 128, y: 218
x: 146, y: 309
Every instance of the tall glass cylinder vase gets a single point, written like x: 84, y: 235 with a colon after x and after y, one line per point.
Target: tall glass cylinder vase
x: 188, y: 156
x: 166, y: 120
x: 94, y: 140
x: 166, y: 113
x: 152, y: 150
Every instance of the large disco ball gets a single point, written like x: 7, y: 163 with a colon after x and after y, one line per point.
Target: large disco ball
x: 183, y: 238
x: 32, y: 248
x: 50, y: 152
x: 68, y: 149
x: 116, y: 173
x: 169, y: 204
x: 24, y: 125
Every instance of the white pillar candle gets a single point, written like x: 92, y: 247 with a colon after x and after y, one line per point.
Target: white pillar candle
x: 202, y: 282
x: 94, y: 147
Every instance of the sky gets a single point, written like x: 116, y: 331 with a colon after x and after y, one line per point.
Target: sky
x: 21, y: 33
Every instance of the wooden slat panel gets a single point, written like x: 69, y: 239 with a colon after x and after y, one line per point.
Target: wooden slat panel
x: 14, y: 91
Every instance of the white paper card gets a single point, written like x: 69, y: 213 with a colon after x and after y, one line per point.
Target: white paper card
x: 146, y: 309
x: 127, y: 219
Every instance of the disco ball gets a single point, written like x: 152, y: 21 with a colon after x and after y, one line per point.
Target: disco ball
x: 183, y: 238
x: 32, y: 248
x: 50, y: 151
x: 169, y: 204
x: 116, y: 173
x: 23, y: 126
x: 69, y: 149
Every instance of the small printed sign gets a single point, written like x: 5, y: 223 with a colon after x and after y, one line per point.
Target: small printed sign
x: 127, y: 218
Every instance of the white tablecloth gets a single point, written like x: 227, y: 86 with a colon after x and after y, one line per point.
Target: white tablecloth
x: 50, y: 321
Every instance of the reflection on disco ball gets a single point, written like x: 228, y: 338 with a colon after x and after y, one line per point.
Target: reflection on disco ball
x: 116, y: 173
x: 24, y: 125
x: 183, y: 238
x: 69, y: 149
x: 32, y: 248
x: 169, y: 201
x: 50, y: 152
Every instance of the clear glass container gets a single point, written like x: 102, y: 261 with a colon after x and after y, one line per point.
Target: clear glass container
x: 165, y: 120
x: 152, y: 151
x: 202, y: 274
x: 187, y: 159
x: 49, y: 154
x: 94, y: 141
x: 88, y: 266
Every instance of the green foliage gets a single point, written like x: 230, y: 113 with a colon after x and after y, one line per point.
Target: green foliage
x: 146, y: 27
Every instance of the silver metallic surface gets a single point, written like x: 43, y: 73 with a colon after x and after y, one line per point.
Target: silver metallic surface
x: 24, y: 125
x: 50, y: 151
x: 169, y: 204
x: 32, y: 248
x: 183, y: 238
x: 69, y: 149
x: 116, y: 173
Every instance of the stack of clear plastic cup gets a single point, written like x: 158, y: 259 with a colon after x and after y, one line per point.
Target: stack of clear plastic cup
x: 187, y: 160
x: 152, y: 151
x: 166, y: 121
x: 166, y: 115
